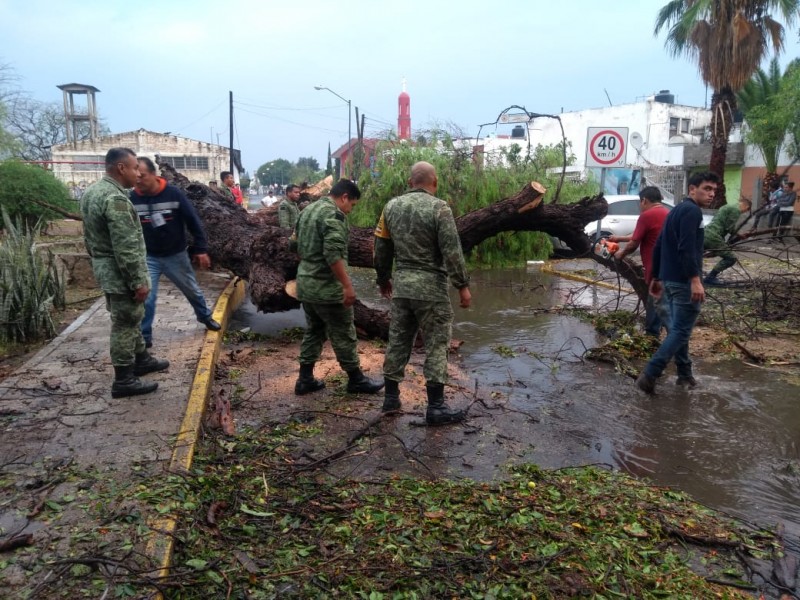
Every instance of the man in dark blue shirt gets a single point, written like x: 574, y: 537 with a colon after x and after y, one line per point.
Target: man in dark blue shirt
x: 165, y: 213
x: 677, y: 273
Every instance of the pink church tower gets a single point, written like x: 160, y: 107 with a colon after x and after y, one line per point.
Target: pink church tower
x: 404, y: 114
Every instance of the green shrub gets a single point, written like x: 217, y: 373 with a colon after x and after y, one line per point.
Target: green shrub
x: 30, y: 284
x: 467, y: 187
x: 21, y: 184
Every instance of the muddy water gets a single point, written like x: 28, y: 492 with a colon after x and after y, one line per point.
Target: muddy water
x: 732, y: 443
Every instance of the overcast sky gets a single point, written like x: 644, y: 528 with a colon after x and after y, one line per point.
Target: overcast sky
x: 169, y: 65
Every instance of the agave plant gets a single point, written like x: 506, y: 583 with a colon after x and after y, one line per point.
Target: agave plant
x: 31, y: 284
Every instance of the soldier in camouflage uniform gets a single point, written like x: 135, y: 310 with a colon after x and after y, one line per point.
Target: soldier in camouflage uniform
x: 114, y: 240
x: 417, y: 232
x: 321, y: 238
x: 722, y: 226
x: 288, y: 211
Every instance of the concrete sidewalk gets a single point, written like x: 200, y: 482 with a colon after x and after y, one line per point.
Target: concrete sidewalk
x: 57, y: 410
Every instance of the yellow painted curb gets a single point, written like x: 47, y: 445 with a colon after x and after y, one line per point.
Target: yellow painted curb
x: 549, y: 268
x: 160, y: 545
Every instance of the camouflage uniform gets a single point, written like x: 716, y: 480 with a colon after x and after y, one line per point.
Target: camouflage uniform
x: 321, y: 238
x: 418, y: 232
x: 288, y: 213
x: 723, y: 224
x: 114, y: 240
x: 226, y: 191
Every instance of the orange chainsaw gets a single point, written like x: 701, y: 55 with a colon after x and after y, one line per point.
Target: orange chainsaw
x: 605, y: 248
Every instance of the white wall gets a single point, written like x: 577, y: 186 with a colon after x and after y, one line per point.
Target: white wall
x: 144, y: 143
x: 648, y: 118
x: 754, y: 158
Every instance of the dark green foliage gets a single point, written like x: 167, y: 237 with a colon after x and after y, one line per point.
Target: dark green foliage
x: 21, y: 184
x: 30, y: 284
x: 534, y: 534
x: 467, y: 186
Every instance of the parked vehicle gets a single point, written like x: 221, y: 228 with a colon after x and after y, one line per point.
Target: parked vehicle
x: 623, y: 212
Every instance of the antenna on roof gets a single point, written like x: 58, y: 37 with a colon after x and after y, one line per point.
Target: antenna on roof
x: 609, y: 97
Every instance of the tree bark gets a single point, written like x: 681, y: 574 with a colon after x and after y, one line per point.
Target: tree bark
x: 723, y: 107
x: 254, y: 248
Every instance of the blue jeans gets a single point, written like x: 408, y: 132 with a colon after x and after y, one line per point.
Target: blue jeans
x: 178, y: 269
x: 656, y: 315
x: 683, y: 314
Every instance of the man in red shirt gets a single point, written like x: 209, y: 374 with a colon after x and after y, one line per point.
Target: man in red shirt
x: 648, y: 226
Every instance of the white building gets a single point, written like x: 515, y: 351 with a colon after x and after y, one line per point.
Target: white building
x: 665, y: 140
x: 81, y: 163
x: 658, y: 129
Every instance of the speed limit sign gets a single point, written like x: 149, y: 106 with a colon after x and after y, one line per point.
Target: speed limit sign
x: 606, y: 146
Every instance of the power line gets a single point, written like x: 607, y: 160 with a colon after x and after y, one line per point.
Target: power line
x: 180, y: 129
x: 278, y: 107
x: 324, y: 116
x: 337, y: 131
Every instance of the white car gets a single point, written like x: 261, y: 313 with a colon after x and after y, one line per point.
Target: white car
x: 623, y: 212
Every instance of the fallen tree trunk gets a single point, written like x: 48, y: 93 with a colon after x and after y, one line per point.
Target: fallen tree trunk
x: 253, y: 247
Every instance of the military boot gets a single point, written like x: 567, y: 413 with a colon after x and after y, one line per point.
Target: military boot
x: 306, y: 383
x: 145, y: 363
x: 391, y: 395
x: 127, y: 384
x: 438, y: 412
x: 358, y: 383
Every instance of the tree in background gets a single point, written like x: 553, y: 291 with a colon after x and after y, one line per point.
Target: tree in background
x: 278, y: 171
x: 7, y: 141
x: 787, y: 107
x: 766, y: 124
x: 283, y: 172
x: 244, y: 181
x: 37, y: 126
x: 728, y: 39
x: 21, y: 185
x: 329, y: 165
x: 306, y: 169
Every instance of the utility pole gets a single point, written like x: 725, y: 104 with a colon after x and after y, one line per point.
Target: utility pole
x: 230, y: 103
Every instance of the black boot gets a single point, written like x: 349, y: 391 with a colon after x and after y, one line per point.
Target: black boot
x: 438, y: 412
x: 306, y: 383
x: 391, y: 395
x: 127, y: 384
x: 145, y: 363
x: 358, y: 383
x: 711, y: 278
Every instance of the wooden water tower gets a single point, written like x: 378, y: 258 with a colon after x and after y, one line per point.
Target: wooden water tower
x: 75, y: 118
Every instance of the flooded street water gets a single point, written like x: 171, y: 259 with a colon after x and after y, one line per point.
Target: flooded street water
x: 732, y: 443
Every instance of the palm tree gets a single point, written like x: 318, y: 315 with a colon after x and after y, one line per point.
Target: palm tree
x: 764, y: 130
x: 729, y: 39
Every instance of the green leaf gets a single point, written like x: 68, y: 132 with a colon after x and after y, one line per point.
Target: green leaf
x: 214, y: 576
x: 197, y: 563
x: 249, y: 511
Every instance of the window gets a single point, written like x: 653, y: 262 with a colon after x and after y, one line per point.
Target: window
x: 89, y: 163
x: 685, y: 124
x: 192, y: 163
x: 674, y: 123
x: 624, y: 207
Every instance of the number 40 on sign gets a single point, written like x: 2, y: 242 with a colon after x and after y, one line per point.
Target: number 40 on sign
x: 606, y: 146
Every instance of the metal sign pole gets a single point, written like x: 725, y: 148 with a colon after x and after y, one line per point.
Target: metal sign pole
x: 602, y: 191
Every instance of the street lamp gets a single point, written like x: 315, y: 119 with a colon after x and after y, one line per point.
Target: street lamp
x: 349, y: 130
